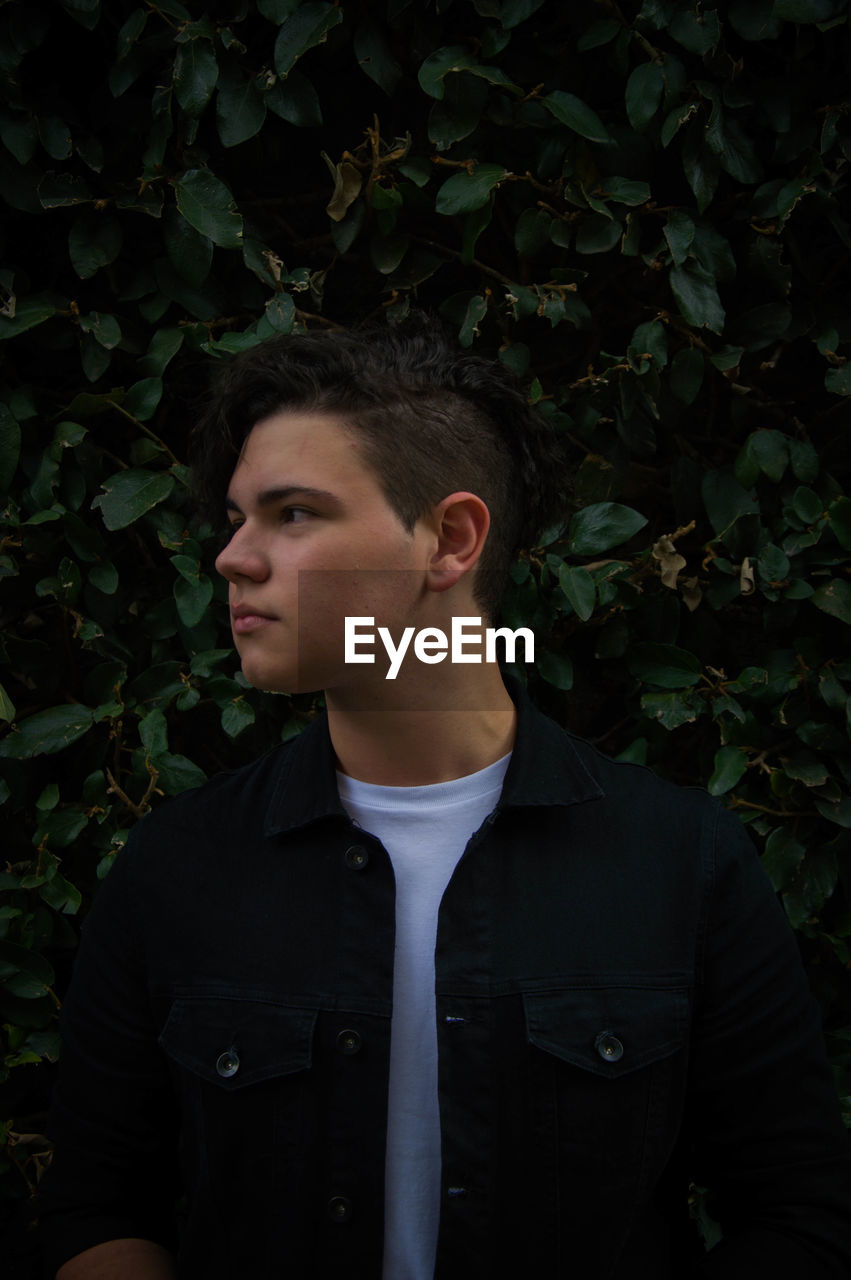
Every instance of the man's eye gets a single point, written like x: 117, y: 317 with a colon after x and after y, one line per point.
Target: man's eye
x: 295, y: 515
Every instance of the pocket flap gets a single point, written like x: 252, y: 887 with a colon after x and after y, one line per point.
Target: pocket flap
x: 234, y: 1043
x: 607, y: 1030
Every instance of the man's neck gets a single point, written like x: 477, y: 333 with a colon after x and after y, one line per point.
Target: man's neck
x: 412, y: 736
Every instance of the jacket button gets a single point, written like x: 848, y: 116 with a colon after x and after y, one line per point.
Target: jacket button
x: 348, y: 1042
x: 356, y: 857
x: 227, y: 1063
x: 339, y: 1209
x: 609, y: 1047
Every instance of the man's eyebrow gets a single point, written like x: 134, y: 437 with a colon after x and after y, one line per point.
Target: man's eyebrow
x: 268, y: 497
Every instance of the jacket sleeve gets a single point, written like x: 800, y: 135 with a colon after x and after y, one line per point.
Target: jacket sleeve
x: 112, y: 1121
x: 769, y: 1143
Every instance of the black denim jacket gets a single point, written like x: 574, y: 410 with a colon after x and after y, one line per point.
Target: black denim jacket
x: 620, y: 1008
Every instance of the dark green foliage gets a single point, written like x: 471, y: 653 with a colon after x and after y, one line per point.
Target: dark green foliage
x: 641, y: 208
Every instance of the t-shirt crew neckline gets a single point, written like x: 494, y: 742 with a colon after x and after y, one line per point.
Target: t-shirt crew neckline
x: 426, y: 795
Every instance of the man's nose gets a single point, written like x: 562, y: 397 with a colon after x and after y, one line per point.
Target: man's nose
x: 242, y: 558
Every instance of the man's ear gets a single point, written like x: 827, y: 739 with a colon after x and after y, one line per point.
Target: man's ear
x: 461, y: 522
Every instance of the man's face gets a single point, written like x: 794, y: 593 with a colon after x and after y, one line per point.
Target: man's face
x: 314, y: 541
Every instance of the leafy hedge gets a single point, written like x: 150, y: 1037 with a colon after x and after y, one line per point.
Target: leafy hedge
x: 641, y: 208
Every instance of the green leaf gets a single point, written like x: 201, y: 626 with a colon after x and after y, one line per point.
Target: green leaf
x: 806, y: 767
x: 277, y: 11
x: 697, y: 297
x: 687, y: 369
x: 476, y: 310
x: 664, y: 665
x: 104, y: 329
x: 513, y: 12
x: 771, y: 450
x: 29, y: 312
x: 625, y: 191
x: 434, y: 70
x: 20, y: 137
x: 602, y: 526
x: 105, y: 578
x: 644, y: 90
x: 458, y: 113
x: 130, y: 33
x: 838, y: 516
x: 725, y: 499
x: 598, y: 34
x: 46, y: 732
x: 143, y: 397
x: 573, y: 112
x: 388, y: 251
x: 701, y: 168
x: 295, y: 100
x: 129, y: 494
x: 176, y: 773
x: 193, y: 599
x: 195, y: 74
x: 466, y: 192
x: 834, y: 598
x: 280, y: 313
x: 597, y: 234
x: 835, y: 811
x: 438, y: 65
x: 58, y: 190
x: 839, y: 380
x: 805, y: 461
x: 10, y: 447
x: 649, y: 339
x: 805, y: 10
x: 240, y: 109
x: 697, y: 33
x: 679, y: 233
x: 94, y: 241
x: 729, y: 767
x: 580, y: 589
x: 783, y: 855
x: 24, y: 973
x: 307, y: 27
x: 555, y: 668
x: 672, y: 709
x: 190, y: 252
x: 375, y: 56
x: 807, y: 505
x: 236, y: 716
x: 7, y: 706
x: 209, y: 207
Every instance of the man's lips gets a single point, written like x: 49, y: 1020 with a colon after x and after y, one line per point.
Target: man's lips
x: 244, y: 619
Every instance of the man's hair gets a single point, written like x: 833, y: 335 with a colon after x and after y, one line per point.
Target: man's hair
x: 432, y: 420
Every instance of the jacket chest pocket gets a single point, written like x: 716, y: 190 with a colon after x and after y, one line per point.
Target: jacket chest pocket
x: 608, y: 1070
x: 240, y: 1068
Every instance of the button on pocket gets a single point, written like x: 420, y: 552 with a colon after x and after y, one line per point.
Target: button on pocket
x: 609, y: 1031
x: 263, y: 1040
x: 609, y: 1047
x: 227, y: 1063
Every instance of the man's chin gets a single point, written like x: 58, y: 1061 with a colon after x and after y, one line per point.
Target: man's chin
x: 278, y: 681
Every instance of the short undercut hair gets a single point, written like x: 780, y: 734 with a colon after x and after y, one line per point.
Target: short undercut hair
x: 432, y: 419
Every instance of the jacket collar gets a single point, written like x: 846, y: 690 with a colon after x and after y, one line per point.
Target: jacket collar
x: 546, y: 769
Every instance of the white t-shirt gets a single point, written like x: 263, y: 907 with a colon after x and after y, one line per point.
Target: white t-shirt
x: 425, y: 831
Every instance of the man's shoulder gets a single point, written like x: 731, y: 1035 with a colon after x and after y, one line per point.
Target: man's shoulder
x: 613, y: 779
x: 228, y: 799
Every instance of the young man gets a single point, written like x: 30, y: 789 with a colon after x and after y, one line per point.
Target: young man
x: 434, y: 989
